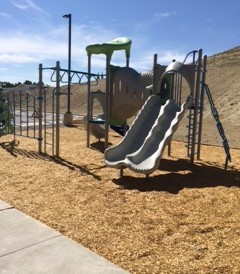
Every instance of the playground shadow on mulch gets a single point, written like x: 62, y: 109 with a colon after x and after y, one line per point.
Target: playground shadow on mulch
x: 100, y: 146
x: 181, y: 174
x: 12, y: 148
x: 175, y: 176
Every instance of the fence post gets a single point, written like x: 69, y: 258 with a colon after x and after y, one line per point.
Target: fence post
x: 57, y: 106
x: 40, y: 99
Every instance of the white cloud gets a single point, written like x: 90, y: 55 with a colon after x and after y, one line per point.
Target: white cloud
x: 16, y: 58
x: 25, y: 49
x: 3, y: 14
x: 19, y: 5
x: 154, y: 19
x: 144, y: 61
x: 26, y: 5
x: 162, y: 15
x: 21, y: 52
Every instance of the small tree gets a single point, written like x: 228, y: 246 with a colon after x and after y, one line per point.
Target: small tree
x: 27, y: 82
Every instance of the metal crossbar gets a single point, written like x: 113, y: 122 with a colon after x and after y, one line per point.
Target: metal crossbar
x: 80, y: 75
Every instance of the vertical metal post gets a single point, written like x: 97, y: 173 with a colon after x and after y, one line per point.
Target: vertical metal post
x: 196, y: 106
x: 20, y: 111
x: 40, y: 99
x: 69, y: 16
x: 121, y: 172
x: 69, y: 62
x: 201, y: 105
x: 14, y: 114
x: 34, y: 120
x: 27, y: 114
x: 155, y: 74
x: 108, y: 59
x: 89, y: 100
x: 127, y: 62
x: 45, y: 120
x: 68, y: 117
x: 54, y: 98
x: 57, y: 106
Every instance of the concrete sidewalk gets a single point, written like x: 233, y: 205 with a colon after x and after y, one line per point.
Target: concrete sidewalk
x: 28, y: 246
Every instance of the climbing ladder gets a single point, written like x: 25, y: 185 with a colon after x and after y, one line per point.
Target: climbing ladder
x: 190, y: 127
x: 23, y: 113
x: 219, y: 126
x: 49, y: 122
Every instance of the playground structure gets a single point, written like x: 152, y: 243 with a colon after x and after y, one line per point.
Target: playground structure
x: 171, y: 89
x: 33, y: 115
x: 36, y: 115
x: 128, y: 92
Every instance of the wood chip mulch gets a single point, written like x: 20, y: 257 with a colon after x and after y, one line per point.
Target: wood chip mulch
x: 184, y: 219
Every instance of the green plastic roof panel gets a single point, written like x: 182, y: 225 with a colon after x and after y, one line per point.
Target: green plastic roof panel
x: 108, y: 48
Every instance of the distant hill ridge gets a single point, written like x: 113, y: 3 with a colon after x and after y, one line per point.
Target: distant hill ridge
x: 228, y: 51
x: 228, y: 57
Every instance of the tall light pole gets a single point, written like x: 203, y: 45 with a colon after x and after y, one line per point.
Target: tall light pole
x: 68, y: 115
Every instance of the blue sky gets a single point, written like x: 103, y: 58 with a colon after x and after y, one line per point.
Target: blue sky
x: 34, y: 31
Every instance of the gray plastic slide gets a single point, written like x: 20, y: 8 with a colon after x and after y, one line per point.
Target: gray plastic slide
x: 142, y: 147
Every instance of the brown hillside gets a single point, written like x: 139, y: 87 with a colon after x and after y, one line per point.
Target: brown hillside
x: 223, y: 81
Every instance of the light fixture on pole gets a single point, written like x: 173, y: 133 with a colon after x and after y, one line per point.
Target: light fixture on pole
x: 68, y: 115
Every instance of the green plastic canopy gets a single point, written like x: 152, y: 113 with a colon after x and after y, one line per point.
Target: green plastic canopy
x: 108, y: 48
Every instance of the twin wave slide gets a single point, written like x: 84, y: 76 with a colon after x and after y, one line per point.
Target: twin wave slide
x: 142, y: 147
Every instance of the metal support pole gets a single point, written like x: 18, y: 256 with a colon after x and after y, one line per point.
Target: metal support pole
x: 196, y: 106
x: 154, y: 91
x: 108, y: 59
x: 68, y: 115
x: 201, y: 105
x: 40, y: 99
x: 127, y: 62
x: 121, y: 172
x: 89, y: 100
x: 57, y: 107
x: 69, y: 62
